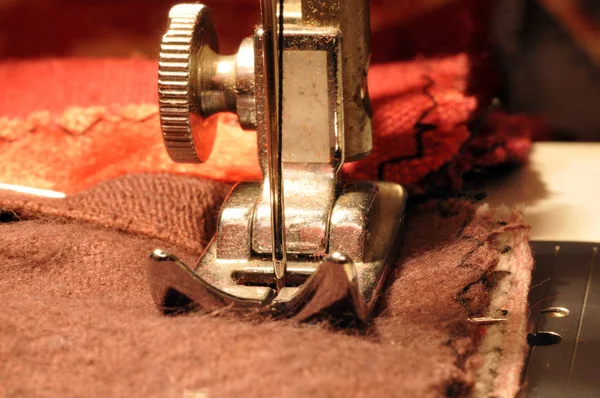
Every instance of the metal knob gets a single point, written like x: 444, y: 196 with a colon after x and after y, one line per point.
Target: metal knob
x: 195, y: 82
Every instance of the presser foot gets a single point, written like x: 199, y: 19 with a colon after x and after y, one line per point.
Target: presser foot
x: 177, y: 289
x: 363, y: 242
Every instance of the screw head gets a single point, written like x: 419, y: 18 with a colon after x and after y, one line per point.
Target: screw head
x: 190, y: 30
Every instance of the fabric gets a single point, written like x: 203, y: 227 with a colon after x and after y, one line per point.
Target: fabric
x: 180, y: 211
x: 78, y: 320
x: 427, y: 127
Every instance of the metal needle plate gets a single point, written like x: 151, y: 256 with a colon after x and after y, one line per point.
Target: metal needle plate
x: 564, y: 323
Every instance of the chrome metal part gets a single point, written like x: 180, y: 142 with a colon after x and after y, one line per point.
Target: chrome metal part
x: 174, y: 287
x: 272, y: 34
x: 196, y: 82
x: 335, y: 280
x: 351, y: 17
x: 190, y: 31
x: 312, y: 143
x: 564, y: 324
x: 365, y: 220
x: 301, y: 241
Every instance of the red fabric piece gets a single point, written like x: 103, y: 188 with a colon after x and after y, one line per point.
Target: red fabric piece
x: 437, y: 136
x: 425, y: 110
x: 422, y: 119
x: 56, y: 84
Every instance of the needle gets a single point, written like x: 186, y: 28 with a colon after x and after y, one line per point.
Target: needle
x: 272, y: 51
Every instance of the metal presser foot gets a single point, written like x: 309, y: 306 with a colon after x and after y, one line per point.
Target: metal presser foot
x: 301, y: 242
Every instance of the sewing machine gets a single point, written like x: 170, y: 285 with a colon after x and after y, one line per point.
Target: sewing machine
x: 301, y: 241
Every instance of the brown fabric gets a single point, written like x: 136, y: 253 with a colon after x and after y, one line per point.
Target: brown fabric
x: 77, y: 318
x: 181, y: 211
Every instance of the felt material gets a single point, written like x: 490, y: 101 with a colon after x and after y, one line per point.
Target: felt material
x: 427, y: 131
x: 78, y: 320
x: 502, y: 358
x: 181, y: 211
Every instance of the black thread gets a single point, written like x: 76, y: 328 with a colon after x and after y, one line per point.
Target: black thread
x: 420, y: 128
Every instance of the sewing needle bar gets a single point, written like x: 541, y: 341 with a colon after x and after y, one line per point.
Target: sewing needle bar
x: 273, y: 81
